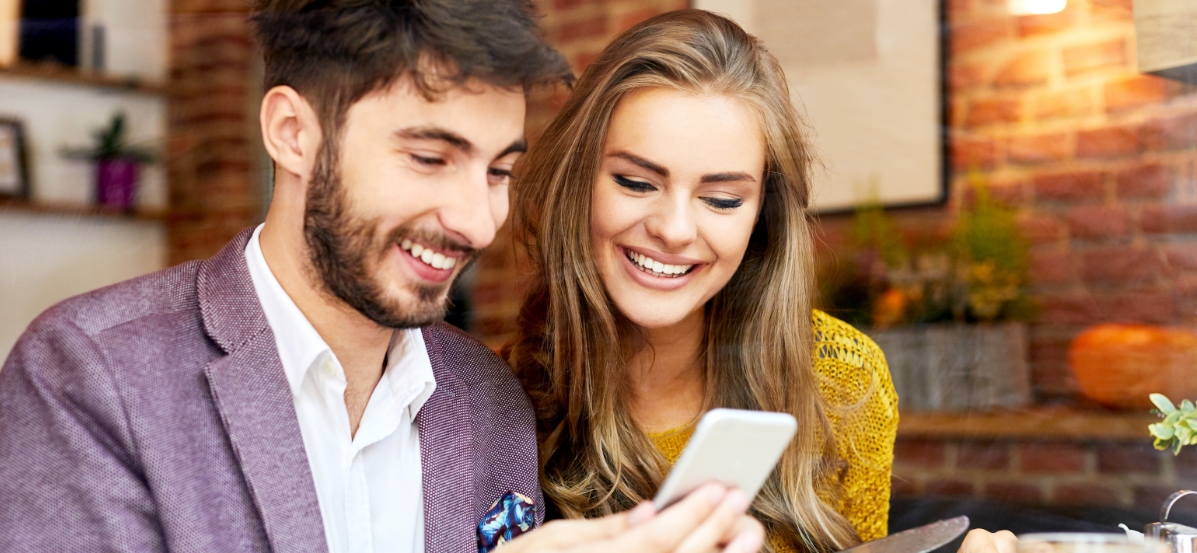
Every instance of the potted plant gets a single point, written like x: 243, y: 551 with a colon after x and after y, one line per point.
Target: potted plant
x: 948, y: 308
x: 117, y: 164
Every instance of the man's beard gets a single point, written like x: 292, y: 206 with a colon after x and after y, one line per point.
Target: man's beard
x: 341, y: 248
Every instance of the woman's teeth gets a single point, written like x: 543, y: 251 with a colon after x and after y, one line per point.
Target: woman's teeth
x: 656, y: 268
x: 429, y: 257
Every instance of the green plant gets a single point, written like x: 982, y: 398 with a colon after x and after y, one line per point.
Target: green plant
x: 110, y: 144
x: 993, y: 257
x: 1179, y: 427
x: 975, y: 272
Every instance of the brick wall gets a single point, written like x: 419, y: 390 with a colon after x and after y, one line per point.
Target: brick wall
x: 1084, y: 472
x: 214, y: 188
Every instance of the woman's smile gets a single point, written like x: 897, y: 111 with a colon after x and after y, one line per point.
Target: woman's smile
x: 646, y: 268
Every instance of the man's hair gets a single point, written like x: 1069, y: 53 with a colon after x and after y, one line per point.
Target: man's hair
x: 334, y: 52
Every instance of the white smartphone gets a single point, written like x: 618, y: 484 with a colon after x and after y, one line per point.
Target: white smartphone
x: 732, y: 446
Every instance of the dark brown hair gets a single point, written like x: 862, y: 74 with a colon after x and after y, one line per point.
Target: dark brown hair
x: 334, y: 52
x: 572, y: 347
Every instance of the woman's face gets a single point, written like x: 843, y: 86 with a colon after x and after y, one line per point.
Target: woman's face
x: 677, y: 195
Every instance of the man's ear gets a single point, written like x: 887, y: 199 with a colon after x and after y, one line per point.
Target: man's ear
x: 290, y: 131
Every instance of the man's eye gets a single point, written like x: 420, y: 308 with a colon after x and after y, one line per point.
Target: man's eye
x: 723, y: 203
x: 502, y: 174
x: 424, y: 160
x: 634, y: 185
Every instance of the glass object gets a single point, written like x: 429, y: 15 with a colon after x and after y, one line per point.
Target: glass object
x: 1082, y: 542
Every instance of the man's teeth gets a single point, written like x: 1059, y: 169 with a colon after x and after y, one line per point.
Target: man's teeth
x: 433, y: 259
x: 657, y: 268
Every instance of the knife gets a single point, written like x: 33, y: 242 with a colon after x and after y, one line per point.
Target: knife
x: 916, y: 540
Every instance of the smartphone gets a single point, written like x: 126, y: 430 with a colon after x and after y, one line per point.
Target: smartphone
x: 732, y: 446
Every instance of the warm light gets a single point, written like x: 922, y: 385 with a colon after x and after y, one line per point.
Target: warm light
x: 1029, y: 7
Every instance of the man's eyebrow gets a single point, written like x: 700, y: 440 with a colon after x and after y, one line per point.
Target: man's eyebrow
x: 727, y: 177
x: 518, y: 147
x: 437, y: 133
x: 656, y: 168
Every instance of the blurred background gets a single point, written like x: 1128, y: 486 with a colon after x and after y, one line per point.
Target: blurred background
x: 1007, y: 204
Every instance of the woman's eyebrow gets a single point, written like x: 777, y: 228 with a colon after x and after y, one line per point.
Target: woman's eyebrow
x: 654, y: 167
x: 727, y: 177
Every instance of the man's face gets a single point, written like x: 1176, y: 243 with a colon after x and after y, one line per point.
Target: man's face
x: 409, y: 195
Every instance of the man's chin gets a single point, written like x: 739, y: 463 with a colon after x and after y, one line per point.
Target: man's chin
x: 414, y: 307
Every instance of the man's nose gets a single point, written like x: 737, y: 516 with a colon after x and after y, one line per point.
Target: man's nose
x: 466, y: 212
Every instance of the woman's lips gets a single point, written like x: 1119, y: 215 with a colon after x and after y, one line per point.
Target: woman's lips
x: 664, y: 282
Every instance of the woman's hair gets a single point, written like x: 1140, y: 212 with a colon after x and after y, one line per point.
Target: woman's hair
x: 573, y: 346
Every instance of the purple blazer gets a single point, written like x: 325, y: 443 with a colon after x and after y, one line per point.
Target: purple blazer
x: 154, y: 415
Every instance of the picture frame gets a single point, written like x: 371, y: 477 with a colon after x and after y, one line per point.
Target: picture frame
x: 14, y: 161
x: 867, y: 77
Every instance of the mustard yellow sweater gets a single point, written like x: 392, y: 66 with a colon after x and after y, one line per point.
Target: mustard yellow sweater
x: 863, y: 408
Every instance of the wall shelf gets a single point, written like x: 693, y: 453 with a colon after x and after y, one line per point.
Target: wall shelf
x: 8, y: 205
x: 66, y: 75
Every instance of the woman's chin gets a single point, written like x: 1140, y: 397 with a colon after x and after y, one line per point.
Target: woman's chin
x: 648, y: 316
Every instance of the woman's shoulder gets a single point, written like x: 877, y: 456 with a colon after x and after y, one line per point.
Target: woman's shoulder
x: 836, y: 340
x: 851, y: 369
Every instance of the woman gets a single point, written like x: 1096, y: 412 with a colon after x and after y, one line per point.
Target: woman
x: 664, y: 213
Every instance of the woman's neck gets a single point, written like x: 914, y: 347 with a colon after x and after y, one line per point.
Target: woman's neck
x: 667, y: 377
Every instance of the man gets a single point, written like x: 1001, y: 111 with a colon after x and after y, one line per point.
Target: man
x: 294, y: 392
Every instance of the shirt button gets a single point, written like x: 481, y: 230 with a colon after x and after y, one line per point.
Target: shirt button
x: 328, y: 368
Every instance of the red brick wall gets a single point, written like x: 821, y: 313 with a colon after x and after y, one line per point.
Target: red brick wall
x: 214, y: 191
x: 1042, y: 472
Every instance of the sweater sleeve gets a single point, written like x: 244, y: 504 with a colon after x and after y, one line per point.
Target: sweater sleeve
x: 863, y: 408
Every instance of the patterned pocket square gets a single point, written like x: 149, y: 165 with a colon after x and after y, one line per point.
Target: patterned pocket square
x: 507, y: 519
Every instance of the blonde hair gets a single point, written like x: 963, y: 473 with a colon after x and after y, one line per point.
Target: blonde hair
x: 572, y: 348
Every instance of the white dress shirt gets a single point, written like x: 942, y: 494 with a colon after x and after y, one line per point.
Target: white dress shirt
x: 369, y: 485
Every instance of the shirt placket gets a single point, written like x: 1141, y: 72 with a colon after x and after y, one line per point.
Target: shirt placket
x: 357, y: 505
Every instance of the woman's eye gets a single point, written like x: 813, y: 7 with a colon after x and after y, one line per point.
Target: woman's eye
x: 634, y: 185
x: 724, y: 203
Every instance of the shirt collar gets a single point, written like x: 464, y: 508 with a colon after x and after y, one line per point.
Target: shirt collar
x: 298, y: 342
x: 409, y: 370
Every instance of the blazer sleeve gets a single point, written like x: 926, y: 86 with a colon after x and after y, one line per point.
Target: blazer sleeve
x: 69, y: 474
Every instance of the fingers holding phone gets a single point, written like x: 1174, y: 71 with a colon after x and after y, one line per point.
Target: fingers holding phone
x: 711, y: 519
x: 708, y: 519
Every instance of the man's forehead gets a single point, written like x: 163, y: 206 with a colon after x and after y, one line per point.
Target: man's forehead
x: 487, y: 116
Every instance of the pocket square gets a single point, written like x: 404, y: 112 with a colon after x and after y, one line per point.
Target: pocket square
x: 507, y: 519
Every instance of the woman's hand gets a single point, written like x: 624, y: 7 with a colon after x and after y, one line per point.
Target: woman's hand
x: 983, y: 541
x: 709, y: 519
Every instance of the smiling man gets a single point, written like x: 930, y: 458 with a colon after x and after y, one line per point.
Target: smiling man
x: 296, y: 392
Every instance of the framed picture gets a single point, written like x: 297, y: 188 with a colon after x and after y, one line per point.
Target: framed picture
x: 14, y: 169
x: 867, y: 75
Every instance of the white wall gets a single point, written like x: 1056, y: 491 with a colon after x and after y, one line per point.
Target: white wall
x: 47, y: 258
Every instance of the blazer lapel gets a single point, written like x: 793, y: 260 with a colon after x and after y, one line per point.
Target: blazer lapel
x: 446, y: 456
x: 255, y: 404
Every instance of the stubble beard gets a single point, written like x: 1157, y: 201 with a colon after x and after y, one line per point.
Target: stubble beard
x: 345, y: 254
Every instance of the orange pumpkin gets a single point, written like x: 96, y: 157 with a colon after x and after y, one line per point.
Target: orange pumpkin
x: 1118, y: 365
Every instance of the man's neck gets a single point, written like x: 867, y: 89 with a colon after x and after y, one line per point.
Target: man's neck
x: 359, y: 343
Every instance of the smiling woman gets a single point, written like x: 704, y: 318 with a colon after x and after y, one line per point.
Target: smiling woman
x: 664, y: 210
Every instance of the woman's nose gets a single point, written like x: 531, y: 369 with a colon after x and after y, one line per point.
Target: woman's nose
x: 673, y: 223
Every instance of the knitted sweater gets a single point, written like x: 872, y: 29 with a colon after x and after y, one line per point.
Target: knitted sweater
x: 863, y: 408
